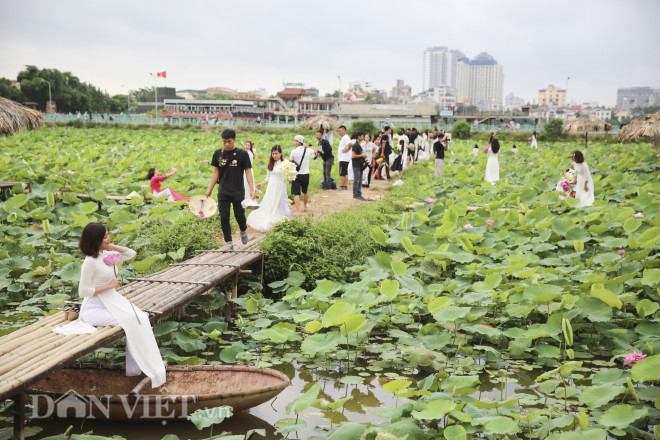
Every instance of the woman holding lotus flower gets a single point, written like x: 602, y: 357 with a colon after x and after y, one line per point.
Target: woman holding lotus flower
x: 103, y: 305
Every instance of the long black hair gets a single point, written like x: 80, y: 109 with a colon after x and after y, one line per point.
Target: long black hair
x: 271, y: 162
x: 91, y: 239
x: 151, y: 173
x: 579, y: 157
x: 495, y: 145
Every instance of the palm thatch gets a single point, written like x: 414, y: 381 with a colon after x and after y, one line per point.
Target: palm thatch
x: 647, y: 126
x: 587, y: 123
x: 320, y: 122
x: 14, y: 116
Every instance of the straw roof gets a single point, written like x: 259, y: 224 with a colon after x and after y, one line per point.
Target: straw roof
x: 320, y: 121
x: 587, y: 123
x: 14, y: 116
x: 645, y: 126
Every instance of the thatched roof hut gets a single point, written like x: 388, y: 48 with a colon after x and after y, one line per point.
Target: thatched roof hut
x: 647, y: 126
x: 586, y: 123
x: 320, y: 121
x: 14, y: 116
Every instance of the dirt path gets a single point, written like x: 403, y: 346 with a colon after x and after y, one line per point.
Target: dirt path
x: 324, y: 203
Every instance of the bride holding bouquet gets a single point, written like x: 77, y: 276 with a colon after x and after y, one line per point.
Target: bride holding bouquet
x: 274, y: 206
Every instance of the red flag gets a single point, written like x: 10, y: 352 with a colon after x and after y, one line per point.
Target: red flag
x: 163, y: 74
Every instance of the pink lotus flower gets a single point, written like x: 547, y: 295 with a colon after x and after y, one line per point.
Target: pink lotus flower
x: 67, y: 186
x: 144, y: 213
x: 39, y: 155
x: 452, y: 161
x: 633, y: 358
x: 115, y: 161
x: 206, y: 161
x: 116, y: 231
x: 565, y: 185
x: 657, y: 155
x: 123, y: 176
x: 639, y: 164
x: 71, y: 172
x: 45, y: 163
x: 603, y: 157
x: 60, y: 173
x: 467, y: 226
x: 621, y: 252
x: 486, y: 148
x: 259, y: 157
x: 144, y: 186
x: 529, y: 139
x: 429, y: 200
x: 516, y: 157
x: 490, y: 222
x: 112, y: 260
x: 530, y: 163
x: 613, y: 156
x: 173, y: 170
x: 43, y: 172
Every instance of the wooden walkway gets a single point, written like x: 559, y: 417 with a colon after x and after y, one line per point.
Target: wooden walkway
x: 33, y: 352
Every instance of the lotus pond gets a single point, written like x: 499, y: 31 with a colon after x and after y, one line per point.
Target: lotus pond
x: 513, y: 320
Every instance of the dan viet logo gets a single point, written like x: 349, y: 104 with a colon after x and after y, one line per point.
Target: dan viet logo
x: 109, y: 406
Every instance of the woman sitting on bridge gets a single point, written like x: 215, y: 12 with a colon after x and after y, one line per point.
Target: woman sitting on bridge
x: 104, y: 306
x: 155, y: 178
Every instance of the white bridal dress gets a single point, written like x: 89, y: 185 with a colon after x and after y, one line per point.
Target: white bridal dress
x: 492, y: 167
x: 274, y: 206
x: 247, y: 201
x: 111, y: 308
x: 583, y: 175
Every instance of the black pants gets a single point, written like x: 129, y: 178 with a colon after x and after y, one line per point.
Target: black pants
x: 369, y: 173
x: 224, y: 205
x: 327, y: 168
x: 384, y: 166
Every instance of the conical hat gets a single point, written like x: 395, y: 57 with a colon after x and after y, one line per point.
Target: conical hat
x: 202, y: 206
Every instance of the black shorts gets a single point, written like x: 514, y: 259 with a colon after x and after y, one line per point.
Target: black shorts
x: 343, y: 168
x: 301, y: 182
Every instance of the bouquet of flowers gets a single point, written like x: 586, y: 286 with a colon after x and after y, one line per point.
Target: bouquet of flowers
x: 567, y: 183
x: 288, y: 168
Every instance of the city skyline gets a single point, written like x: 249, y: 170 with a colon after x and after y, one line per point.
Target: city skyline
x: 115, y: 46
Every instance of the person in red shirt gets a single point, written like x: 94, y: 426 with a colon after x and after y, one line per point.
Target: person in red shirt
x: 155, y: 178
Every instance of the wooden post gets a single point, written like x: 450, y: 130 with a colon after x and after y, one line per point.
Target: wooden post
x: 19, y: 416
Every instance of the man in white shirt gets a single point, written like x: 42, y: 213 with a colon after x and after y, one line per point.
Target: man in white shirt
x: 300, y: 156
x: 344, y: 157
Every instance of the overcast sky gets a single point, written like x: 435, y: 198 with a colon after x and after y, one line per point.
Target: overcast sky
x: 245, y: 45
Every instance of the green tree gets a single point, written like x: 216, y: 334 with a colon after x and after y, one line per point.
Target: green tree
x: 366, y: 126
x: 461, y: 130
x: 650, y: 109
x: 553, y: 128
x: 7, y: 90
x: 67, y: 91
x: 335, y: 94
x: 369, y: 98
x: 118, y: 104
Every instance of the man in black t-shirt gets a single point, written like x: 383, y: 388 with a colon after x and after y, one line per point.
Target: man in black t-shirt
x: 229, y: 166
x: 325, y: 152
x: 357, y: 155
x: 439, y: 147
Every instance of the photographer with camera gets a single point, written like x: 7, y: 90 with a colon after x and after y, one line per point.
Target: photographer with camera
x: 440, y: 145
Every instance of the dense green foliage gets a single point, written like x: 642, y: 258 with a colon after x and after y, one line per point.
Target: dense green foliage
x: 461, y: 130
x: 66, y: 91
x: 553, y: 129
x: 323, y: 249
x: 366, y: 126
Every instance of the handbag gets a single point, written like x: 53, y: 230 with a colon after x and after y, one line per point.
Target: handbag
x: 298, y: 165
x: 363, y: 164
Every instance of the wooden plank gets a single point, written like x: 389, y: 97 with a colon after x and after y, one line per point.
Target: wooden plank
x: 155, y: 280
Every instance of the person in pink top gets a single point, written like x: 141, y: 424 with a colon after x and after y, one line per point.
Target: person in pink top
x: 156, y: 178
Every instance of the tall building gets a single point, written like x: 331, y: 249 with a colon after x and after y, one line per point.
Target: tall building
x: 552, y: 96
x: 479, y: 82
x: 636, y: 97
x: 401, y: 92
x: 440, y: 67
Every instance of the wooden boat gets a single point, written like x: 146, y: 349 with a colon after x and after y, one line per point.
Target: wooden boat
x: 105, y: 392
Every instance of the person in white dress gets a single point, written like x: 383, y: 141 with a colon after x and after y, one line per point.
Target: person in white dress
x: 103, y: 305
x: 423, y: 151
x: 534, y: 146
x: 493, y: 164
x: 249, y: 201
x: 584, y: 187
x: 369, y: 149
x: 274, y: 206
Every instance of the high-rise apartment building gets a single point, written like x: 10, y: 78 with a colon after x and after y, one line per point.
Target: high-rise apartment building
x: 636, y: 97
x: 479, y: 82
x: 440, y: 67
